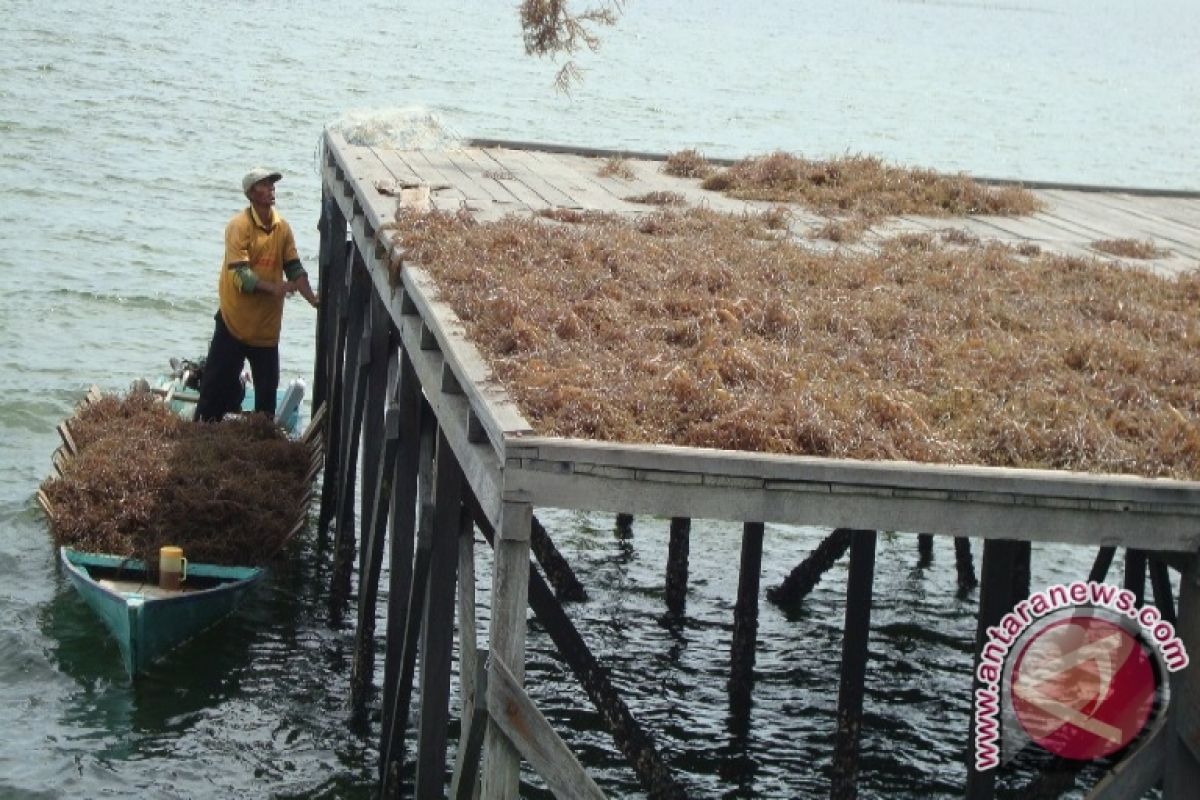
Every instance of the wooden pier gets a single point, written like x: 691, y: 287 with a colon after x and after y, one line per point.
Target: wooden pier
x: 443, y: 451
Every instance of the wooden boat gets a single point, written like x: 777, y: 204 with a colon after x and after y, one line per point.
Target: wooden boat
x: 148, y: 621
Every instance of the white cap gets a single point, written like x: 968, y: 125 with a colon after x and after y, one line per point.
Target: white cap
x: 259, y: 174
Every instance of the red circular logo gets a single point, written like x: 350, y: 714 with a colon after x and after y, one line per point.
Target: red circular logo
x: 1083, y: 687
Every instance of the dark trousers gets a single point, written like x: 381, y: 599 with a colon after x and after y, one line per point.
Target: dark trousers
x: 220, y: 388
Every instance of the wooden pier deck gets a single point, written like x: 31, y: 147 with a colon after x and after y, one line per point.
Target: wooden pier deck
x: 437, y: 433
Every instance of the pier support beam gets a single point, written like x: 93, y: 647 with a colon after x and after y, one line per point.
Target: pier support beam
x: 745, y: 617
x: 336, y: 295
x: 677, y: 565
x: 1182, y: 774
x: 924, y: 549
x: 995, y: 600
x: 558, y: 571
x: 801, y: 580
x: 964, y: 564
x: 859, y: 588
x: 1135, y: 575
x: 510, y: 590
x: 1100, y: 567
x: 624, y: 525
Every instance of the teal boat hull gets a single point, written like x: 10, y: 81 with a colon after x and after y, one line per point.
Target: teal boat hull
x: 146, y: 622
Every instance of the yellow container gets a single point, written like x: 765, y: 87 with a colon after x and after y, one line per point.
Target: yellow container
x: 172, y: 567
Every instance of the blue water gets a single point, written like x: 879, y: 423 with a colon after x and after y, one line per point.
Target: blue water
x: 124, y: 130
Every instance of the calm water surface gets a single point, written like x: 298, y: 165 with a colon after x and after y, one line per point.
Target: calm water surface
x: 123, y: 132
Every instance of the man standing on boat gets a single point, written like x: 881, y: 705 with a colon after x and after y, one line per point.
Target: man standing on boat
x: 260, y: 269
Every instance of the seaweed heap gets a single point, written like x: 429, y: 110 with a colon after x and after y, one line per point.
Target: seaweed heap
x: 705, y: 329
x: 142, y: 477
x: 862, y: 186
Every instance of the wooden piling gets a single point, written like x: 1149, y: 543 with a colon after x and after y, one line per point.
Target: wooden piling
x: 624, y: 525
x: 403, y: 533
x: 556, y: 568
x: 859, y: 587
x: 437, y: 628
x: 677, y: 565
x: 745, y: 613
x: 1160, y: 582
x: 1021, y: 567
x: 630, y: 737
x: 1100, y: 567
x: 337, y: 313
x: 1135, y: 574
x: 1182, y: 774
x: 924, y: 549
x: 964, y: 565
x: 807, y: 574
x: 995, y: 600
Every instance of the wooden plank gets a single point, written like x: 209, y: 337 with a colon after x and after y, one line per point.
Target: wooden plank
x: 372, y: 187
x: 64, y: 433
x: 1180, y: 496
x: 528, y: 170
x: 1138, y: 772
x: 527, y: 729
x: 866, y: 506
x: 478, y: 190
x: 464, y: 783
x: 44, y: 502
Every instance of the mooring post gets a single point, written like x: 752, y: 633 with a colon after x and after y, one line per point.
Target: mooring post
x: 964, y: 564
x: 403, y: 530
x: 1135, y: 574
x: 678, y: 551
x: 995, y: 600
x: 859, y: 589
x: 745, y: 615
x: 807, y: 574
x: 510, y: 590
x: 437, y: 628
x: 924, y: 549
x: 1182, y: 774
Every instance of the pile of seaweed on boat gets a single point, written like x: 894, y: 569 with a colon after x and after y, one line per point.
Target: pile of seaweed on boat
x: 142, y: 477
x: 705, y: 329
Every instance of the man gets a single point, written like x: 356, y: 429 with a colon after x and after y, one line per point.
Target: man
x: 261, y: 268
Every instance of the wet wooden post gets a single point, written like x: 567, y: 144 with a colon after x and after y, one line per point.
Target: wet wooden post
x: 437, y: 628
x: 807, y: 574
x: 1100, y: 567
x: 403, y: 531
x: 745, y: 614
x: 995, y: 600
x: 468, y: 635
x: 378, y: 485
x: 964, y: 565
x: 510, y: 589
x: 629, y: 735
x: 924, y: 549
x: 392, y: 749
x: 338, y: 312
x: 1021, y: 567
x: 332, y: 228
x: 1160, y: 582
x: 624, y: 525
x: 859, y: 589
x: 1182, y: 774
x: 677, y: 564
x: 354, y: 387
x: 1135, y: 574
x: 381, y: 376
x: 558, y: 569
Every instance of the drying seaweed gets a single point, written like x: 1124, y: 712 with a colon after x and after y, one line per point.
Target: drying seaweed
x: 1141, y: 249
x: 227, y: 493
x: 688, y: 164
x: 658, y: 199
x: 616, y: 167
x: 703, y: 329
x: 866, y: 187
